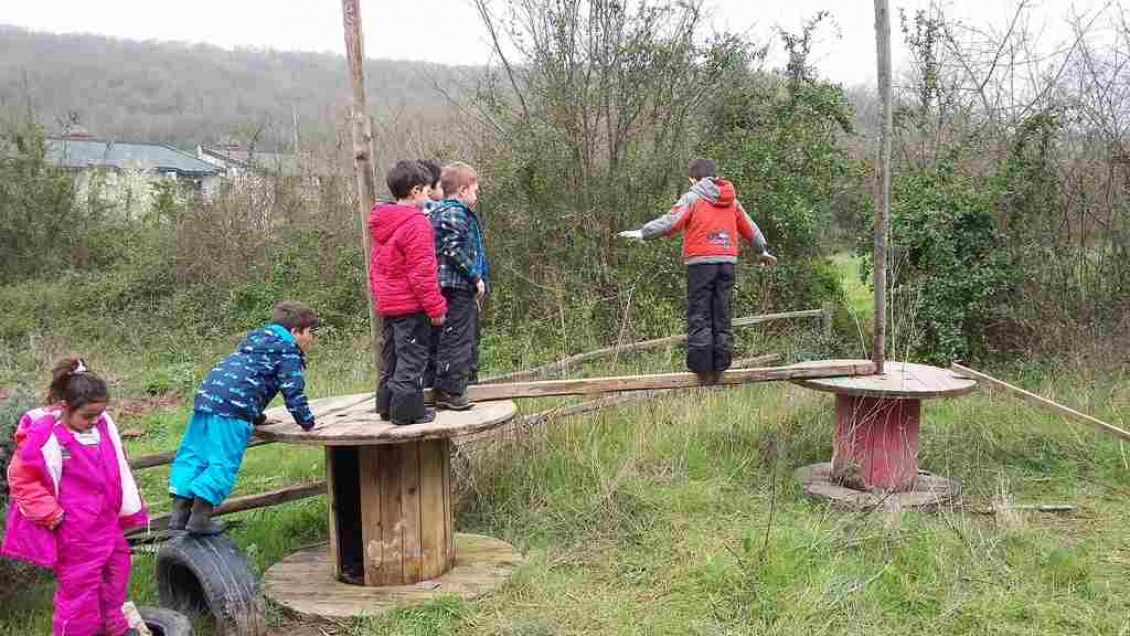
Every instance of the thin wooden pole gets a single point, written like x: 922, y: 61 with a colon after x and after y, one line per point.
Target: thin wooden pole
x: 362, y: 154
x: 1041, y: 402
x: 882, y: 202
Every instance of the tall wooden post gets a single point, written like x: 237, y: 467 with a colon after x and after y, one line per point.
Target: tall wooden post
x: 362, y: 153
x: 882, y: 202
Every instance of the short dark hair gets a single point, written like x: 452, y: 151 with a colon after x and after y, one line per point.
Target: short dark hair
x: 73, y: 383
x: 701, y: 168
x: 433, y: 169
x: 294, y: 315
x: 404, y: 176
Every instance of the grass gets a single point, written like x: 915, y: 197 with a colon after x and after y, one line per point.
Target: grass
x: 680, y: 516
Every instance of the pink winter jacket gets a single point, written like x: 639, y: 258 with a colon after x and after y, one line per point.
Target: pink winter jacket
x: 34, y: 476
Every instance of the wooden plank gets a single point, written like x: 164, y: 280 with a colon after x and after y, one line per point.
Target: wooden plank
x: 1043, y: 402
x: 372, y: 533
x: 434, y: 524
x: 331, y: 509
x: 586, y: 386
x: 161, y: 459
x: 250, y: 502
x: 565, y: 363
x: 410, y: 503
x: 361, y: 426
x: 883, y: 174
x: 389, y: 473
x: 448, y: 503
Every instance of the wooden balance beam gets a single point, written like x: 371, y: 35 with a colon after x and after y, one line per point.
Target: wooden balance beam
x: 588, y: 386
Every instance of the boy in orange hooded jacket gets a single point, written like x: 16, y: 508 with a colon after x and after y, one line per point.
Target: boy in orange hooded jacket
x: 711, y: 219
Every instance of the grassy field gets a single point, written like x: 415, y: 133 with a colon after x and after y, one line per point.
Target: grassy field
x: 680, y: 516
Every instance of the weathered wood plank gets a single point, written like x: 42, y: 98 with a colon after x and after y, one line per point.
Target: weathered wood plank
x: 565, y: 363
x: 410, y: 511
x: 389, y: 471
x: 372, y: 517
x: 331, y: 510
x: 585, y: 386
x: 1043, y: 402
x: 434, y: 524
x: 249, y: 502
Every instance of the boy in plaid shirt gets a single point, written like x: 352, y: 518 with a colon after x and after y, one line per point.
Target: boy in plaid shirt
x: 464, y: 277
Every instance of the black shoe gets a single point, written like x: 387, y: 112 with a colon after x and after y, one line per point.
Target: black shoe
x: 131, y: 632
x: 200, y: 522
x: 428, y: 417
x: 182, y: 508
x: 452, y: 401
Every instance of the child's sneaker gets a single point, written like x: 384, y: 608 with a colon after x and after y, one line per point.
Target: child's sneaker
x: 452, y: 401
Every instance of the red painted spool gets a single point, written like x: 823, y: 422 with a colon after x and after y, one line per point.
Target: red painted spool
x: 876, y: 442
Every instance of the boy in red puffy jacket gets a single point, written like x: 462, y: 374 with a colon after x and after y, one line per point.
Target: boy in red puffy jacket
x: 402, y: 270
x: 711, y: 219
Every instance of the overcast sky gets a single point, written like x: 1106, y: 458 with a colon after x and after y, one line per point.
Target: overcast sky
x: 448, y: 31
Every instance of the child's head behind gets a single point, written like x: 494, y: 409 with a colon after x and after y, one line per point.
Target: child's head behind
x: 460, y: 181
x: 82, y: 395
x: 435, y: 188
x: 408, y: 182
x: 298, y: 319
x: 701, y: 168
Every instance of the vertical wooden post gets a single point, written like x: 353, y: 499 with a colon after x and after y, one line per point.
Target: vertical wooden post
x: 362, y: 154
x: 882, y: 202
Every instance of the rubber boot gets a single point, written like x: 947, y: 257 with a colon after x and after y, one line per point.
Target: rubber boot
x: 384, y: 400
x: 408, y: 408
x: 182, y: 508
x: 200, y: 522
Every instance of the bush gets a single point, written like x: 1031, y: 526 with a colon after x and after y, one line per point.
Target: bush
x: 951, y: 277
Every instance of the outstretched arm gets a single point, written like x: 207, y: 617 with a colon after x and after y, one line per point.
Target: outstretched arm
x: 668, y: 224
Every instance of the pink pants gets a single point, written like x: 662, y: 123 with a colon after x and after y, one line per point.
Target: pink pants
x: 92, y: 589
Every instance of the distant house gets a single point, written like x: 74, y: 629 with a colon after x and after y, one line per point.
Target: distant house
x: 115, y: 161
x: 236, y: 160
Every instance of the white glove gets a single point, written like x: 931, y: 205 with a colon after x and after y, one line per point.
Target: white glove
x: 632, y: 234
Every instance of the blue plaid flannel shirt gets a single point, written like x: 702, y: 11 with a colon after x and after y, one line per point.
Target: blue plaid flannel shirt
x: 460, y: 255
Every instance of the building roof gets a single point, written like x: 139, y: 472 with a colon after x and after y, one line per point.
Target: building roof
x: 97, y: 153
x: 270, y: 162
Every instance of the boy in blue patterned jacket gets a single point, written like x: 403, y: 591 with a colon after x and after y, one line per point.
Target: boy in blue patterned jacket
x: 229, y: 403
x: 464, y: 278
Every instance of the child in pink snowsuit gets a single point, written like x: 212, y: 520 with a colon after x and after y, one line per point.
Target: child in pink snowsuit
x: 73, y: 494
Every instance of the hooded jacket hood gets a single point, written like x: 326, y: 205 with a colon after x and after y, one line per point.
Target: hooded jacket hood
x: 386, y: 218
x: 719, y: 192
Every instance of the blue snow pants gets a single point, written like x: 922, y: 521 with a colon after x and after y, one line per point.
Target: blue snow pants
x: 209, y: 457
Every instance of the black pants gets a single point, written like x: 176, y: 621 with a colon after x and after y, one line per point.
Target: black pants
x: 710, y: 336
x: 404, y: 356
x: 457, y: 343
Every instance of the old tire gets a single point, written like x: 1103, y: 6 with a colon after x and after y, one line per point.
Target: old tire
x: 209, y: 576
x: 165, y: 622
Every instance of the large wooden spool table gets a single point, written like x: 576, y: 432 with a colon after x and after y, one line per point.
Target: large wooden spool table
x: 392, y: 536
x: 875, y: 445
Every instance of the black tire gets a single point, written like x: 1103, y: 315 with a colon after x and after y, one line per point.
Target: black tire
x: 165, y: 622
x: 209, y: 576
